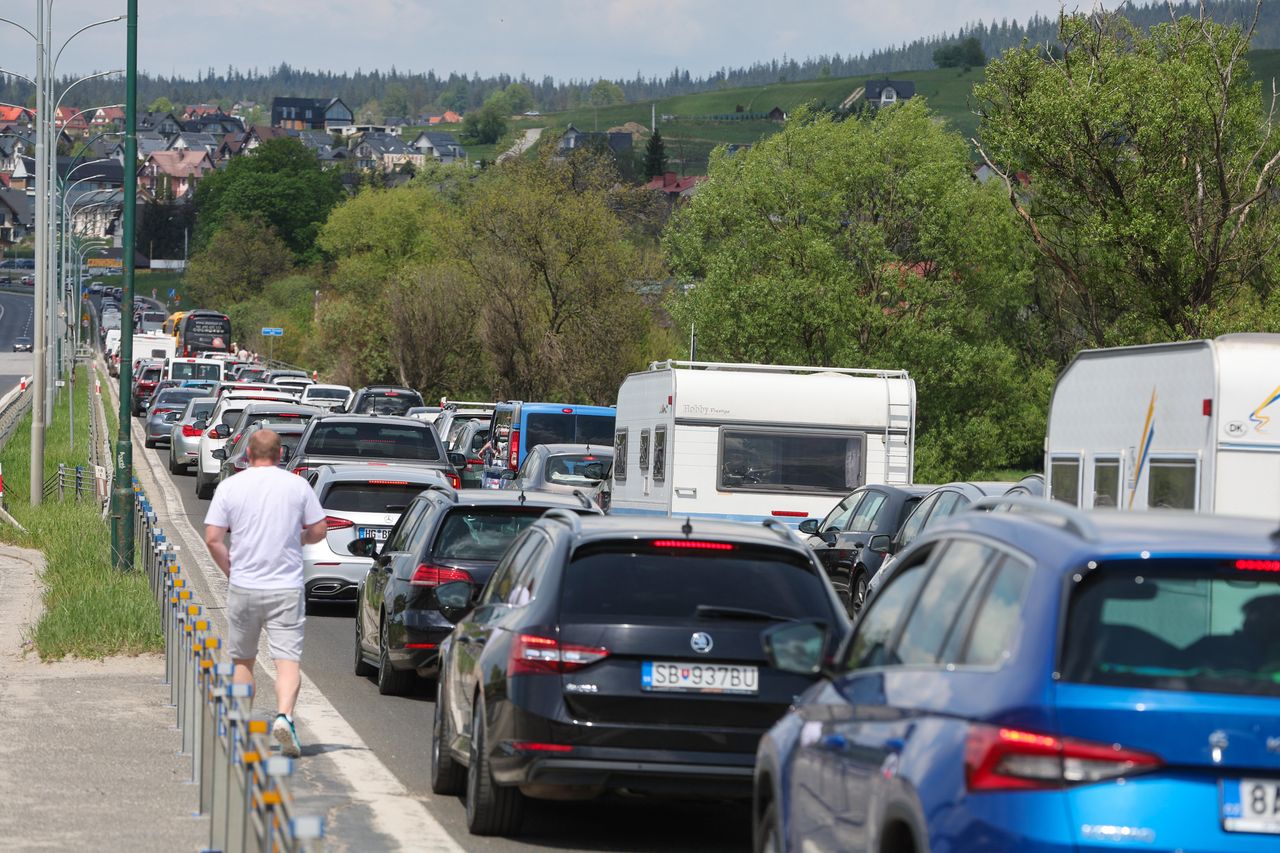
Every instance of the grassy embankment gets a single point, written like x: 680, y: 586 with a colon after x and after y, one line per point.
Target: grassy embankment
x: 89, y: 609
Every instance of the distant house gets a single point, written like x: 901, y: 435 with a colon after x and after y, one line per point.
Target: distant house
x: 162, y: 123
x: 195, y: 141
x: 448, y: 117
x: 71, y: 120
x: 385, y: 152
x: 17, y: 215
x: 88, y: 176
x: 106, y: 117
x: 17, y: 116
x: 11, y: 148
x: 777, y: 115
x: 258, y: 134
x: 395, y: 124
x: 310, y: 113
x: 439, y: 146
x: 219, y: 124
x: 198, y: 110
x: 675, y: 188
x: 616, y: 141
x: 174, y: 173
x: 880, y: 93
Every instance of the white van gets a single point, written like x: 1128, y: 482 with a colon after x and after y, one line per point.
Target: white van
x: 748, y: 442
x: 1193, y: 425
x: 111, y: 344
x: 210, y: 369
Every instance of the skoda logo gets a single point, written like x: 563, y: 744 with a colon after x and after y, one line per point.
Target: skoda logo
x: 701, y: 642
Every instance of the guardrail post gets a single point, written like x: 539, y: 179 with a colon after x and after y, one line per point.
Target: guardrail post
x: 79, y: 482
x: 62, y: 473
x: 190, y: 667
x: 211, y: 753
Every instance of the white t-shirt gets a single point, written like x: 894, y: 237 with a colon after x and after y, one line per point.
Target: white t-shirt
x: 265, y: 508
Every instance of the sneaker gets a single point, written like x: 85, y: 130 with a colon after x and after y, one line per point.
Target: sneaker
x: 287, y: 736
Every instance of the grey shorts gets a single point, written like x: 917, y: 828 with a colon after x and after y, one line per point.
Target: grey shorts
x: 282, y: 612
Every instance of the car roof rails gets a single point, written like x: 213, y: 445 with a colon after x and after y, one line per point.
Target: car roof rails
x: 565, y: 516
x: 586, y: 501
x: 779, y: 528
x: 1072, y: 519
x: 445, y: 489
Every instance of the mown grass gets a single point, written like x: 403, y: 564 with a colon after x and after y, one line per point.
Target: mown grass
x: 89, y: 609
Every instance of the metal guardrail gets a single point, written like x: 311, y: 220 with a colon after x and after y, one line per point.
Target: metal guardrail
x: 80, y: 481
x: 243, y: 788
x: 13, y: 406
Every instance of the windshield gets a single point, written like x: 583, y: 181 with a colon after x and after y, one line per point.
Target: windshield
x: 150, y: 374
x: 619, y: 582
x: 482, y: 534
x: 373, y: 440
x: 396, y: 403
x: 766, y: 461
x: 1187, y: 626
x: 370, y: 496
x: 578, y: 469
x: 190, y: 370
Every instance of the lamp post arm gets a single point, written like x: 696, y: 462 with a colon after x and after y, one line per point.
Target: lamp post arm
x: 54, y: 68
x: 21, y: 27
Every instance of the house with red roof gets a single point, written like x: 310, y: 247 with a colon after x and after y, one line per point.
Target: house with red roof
x: 174, y: 173
x: 675, y: 187
x: 17, y: 116
x: 107, y: 117
x: 71, y: 120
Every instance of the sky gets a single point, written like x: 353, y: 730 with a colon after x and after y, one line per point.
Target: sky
x: 568, y: 39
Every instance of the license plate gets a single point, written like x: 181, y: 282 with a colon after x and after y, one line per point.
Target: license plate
x: 378, y: 533
x: 1251, y: 805
x: 698, y: 677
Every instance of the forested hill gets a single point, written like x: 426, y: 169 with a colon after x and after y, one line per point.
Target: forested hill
x: 394, y: 92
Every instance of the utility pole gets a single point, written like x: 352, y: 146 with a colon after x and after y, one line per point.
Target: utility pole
x: 42, y: 235
x: 122, y: 489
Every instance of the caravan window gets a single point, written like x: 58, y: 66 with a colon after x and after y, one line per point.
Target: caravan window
x: 1171, y: 484
x: 620, y: 456
x: 1106, y: 483
x: 660, y: 455
x: 1064, y: 474
x: 768, y: 461
x: 644, y: 451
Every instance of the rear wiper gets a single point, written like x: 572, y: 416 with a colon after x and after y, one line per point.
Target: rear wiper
x: 715, y: 611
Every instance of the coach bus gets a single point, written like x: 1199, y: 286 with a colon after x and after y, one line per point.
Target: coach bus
x: 203, y: 330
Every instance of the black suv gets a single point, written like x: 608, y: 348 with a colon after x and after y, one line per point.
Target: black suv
x: 352, y: 439
x: 443, y: 536
x: 607, y: 654
x: 383, y: 400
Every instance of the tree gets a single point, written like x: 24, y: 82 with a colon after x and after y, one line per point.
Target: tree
x: 866, y: 243
x: 1151, y: 166
x: 519, y: 98
x: 966, y: 54
x: 488, y: 124
x: 239, y: 259
x: 605, y: 93
x: 161, y: 105
x: 395, y: 100
x: 655, y: 156
x: 281, y: 183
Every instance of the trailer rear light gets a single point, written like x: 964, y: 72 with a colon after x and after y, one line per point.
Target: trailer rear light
x: 429, y: 575
x: 1258, y: 565
x: 532, y: 654
x: 693, y: 545
x: 332, y: 522
x: 1207, y: 408
x: 789, y: 513
x: 532, y: 746
x: 1002, y: 759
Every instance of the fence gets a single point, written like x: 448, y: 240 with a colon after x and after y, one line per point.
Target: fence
x: 243, y: 788
x: 80, y: 482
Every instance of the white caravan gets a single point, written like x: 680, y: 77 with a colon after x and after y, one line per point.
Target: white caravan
x: 748, y: 442
x: 1192, y: 425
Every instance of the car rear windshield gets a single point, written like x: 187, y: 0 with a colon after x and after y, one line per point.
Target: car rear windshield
x: 326, y: 394
x: 470, y: 533
x: 388, y: 403
x: 560, y: 428
x: 1202, y: 627
x: 622, y: 581
x: 577, y: 469
x: 370, y: 496
x: 178, y: 395
x: 271, y: 418
x: 200, y: 411
x: 150, y: 374
x: 187, y: 370
x: 374, y: 440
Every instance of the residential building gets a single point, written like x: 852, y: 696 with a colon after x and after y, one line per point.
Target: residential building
x: 71, y: 120
x: 107, y: 117
x: 174, y: 173
x: 17, y: 215
x: 618, y: 142
x: 448, y: 117
x: 881, y: 93
x: 385, y: 153
x: 12, y: 147
x: 310, y: 113
x: 162, y: 123
x: 17, y: 116
x: 439, y: 146
x: 194, y: 142
x: 674, y: 187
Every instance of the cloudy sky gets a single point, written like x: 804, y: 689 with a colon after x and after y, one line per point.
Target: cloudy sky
x: 564, y: 38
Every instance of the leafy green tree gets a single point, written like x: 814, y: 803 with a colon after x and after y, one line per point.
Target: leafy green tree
x: 866, y: 243
x: 605, y: 93
x: 487, y: 125
x: 239, y: 259
x: 395, y: 100
x: 519, y: 98
x: 1143, y: 168
x: 161, y: 105
x: 281, y: 184
x: 963, y: 54
x: 655, y: 156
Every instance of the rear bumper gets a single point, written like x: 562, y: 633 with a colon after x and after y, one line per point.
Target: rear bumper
x: 415, y: 637
x: 641, y: 771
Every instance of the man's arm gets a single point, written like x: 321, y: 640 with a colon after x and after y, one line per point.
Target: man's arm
x: 313, y: 533
x: 215, y: 540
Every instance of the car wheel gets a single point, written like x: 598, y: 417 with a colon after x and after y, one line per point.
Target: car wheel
x: 149, y: 443
x: 204, y: 490
x: 391, y: 682
x: 447, y: 775
x: 362, y: 667
x: 491, y: 808
x: 174, y: 467
x: 768, y: 839
x: 858, y: 590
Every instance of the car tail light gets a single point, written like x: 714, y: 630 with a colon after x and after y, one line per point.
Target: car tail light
x: 302, y: 469
x: 1002, y: 759
x: 533, y: 746
x: 1258, y: 565
x: 388, y: 482
x: 693, y: 545
x: 475, y: 461
x: 190, y: 431
x: 454, y: 479
x: 428, y: 575
x: 513, y: 458
x: 332, y: 522
x: 532, y: 654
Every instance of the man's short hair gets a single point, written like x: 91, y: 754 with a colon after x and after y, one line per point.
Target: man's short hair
x: 264, y: 444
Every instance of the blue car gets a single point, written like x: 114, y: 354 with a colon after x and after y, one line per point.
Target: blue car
x: 1041, y: 680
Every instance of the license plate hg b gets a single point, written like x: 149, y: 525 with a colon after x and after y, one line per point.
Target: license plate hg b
x: 377, y: 533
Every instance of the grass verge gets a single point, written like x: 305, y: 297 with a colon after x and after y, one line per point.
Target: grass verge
x: 90, y: 610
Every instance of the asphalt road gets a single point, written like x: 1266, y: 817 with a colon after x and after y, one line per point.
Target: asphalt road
x: 398, y: 730
x: 16, y: 319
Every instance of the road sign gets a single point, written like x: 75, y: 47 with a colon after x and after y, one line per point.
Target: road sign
x: 269, y: 332
x: 172, y: 292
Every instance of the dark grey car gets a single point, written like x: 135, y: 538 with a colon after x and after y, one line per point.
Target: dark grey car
x: 372, y: 440
x: 166, y: 410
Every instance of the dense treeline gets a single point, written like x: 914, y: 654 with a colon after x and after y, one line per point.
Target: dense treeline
x: 401, y: 93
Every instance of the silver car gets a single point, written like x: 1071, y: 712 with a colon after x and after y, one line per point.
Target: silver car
x: 360, y: 501
x: 164, y: 411
x: 563, y: 468
x: 184, y: 436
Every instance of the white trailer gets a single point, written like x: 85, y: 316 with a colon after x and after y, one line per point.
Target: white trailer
x: 153, y: 345
x: 748, y: 442
x: 1193, y: 425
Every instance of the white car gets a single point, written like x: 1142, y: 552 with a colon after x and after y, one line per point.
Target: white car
x: 329, y: 397
x: 218, y: 430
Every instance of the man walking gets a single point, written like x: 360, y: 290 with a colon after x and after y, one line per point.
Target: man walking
x: 270, y: 514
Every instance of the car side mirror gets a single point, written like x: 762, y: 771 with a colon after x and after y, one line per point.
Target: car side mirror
x: 221, y: 431
x: 201, y: 424
x: 454, y: 599
x: 809, y: 526
x: 220, y: 453
x: 795, y: 647
x: 830, y: 536
x: 366, y: 546
x: 172, y: 417
x: 285, y: 453
x: 881, y: 543
x: 458, y: 460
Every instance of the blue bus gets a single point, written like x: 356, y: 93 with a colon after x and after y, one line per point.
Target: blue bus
x: 518, y: 426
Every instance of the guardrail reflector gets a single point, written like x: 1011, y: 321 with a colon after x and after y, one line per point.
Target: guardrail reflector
x: 251, y: 757
x: 192, y: 609
x: 257, y: 727
x: 179, y: 582
x: 271, y: 798
x: 206, y: 664
x: 185, y: 595
x: 210, y: 642
x: 202, y: 625
x: 174, y: 569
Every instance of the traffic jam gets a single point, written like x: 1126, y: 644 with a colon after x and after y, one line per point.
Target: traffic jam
x: 730, y: 586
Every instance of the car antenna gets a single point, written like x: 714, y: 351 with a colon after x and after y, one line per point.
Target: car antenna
x: 522, y: 498
x: 687, y: 527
